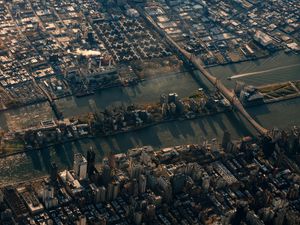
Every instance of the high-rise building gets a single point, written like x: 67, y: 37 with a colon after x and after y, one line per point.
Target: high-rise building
x: 163, y: 99
x: 102, y: 190
x: 80, y: 166
x: 48, y: 197
x: 134, y: 169
x: 293, y: 192
x: 138, y: 216
x: 81, y: 220
x: 96, y: 192
x: 226, y: 139
x: 178, y: 182
x: 102, y: 220
x: 116, y: 190
x: 150, y: 211
x: 110, y: 191
x: 1, y: 197
x: 48, y: 192
x: 90, y: 161
x: 135, y: 187
x: 53, y: 173
x: 172, y: 98
x: 142, y: 183
x: 111, y: 161
x: 106, y: 174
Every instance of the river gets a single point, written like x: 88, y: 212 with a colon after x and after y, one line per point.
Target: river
x: 282, y: 114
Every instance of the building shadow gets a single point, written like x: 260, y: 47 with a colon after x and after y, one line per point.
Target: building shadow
x: 148, y: 136
x: 63, y: 152
x: 240, y: 125
x: 35, y: 159
x: 46, y: 157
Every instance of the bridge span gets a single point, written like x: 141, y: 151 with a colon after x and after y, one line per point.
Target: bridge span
x: 227, y: 93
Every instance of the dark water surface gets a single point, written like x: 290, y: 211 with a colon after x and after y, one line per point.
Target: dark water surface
x: 282, y: 114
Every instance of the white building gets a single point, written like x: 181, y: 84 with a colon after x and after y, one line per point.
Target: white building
x: 263, y: 38
x: 72, y: 185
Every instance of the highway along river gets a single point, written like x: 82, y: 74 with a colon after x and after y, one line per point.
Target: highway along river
x: 282, y: 114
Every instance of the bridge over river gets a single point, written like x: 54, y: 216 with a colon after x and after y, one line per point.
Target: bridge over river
x: 229, y: 94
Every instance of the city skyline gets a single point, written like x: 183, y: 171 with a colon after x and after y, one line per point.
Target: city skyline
x: 149, y: 112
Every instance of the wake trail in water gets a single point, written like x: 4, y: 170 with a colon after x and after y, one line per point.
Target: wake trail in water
x: 262, y: 71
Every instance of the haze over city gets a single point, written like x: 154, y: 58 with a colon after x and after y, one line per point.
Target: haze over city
x: 149, y: 112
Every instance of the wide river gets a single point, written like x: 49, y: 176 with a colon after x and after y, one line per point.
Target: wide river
x: 280, y: 67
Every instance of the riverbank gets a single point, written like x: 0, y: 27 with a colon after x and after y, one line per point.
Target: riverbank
x: 37, y: 163
x: 265, y: 89
x: 165, y: 75
x: 144, y: 91
x: 91, y: 137
x: 132, y: 129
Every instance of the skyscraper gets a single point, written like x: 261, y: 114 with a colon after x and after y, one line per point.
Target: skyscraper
x: 80, y: 166
x: 226, y: 139
x: 106, y: 174
x: 90, y: 161
x: 53, y: 173
x: 111, y: 161
x: 142, y: 183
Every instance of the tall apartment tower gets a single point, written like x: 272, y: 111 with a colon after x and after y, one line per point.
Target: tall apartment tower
x: 90, y: 161
x: 226, y: 139
x: 53, y: 173
x: 80, y: 166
